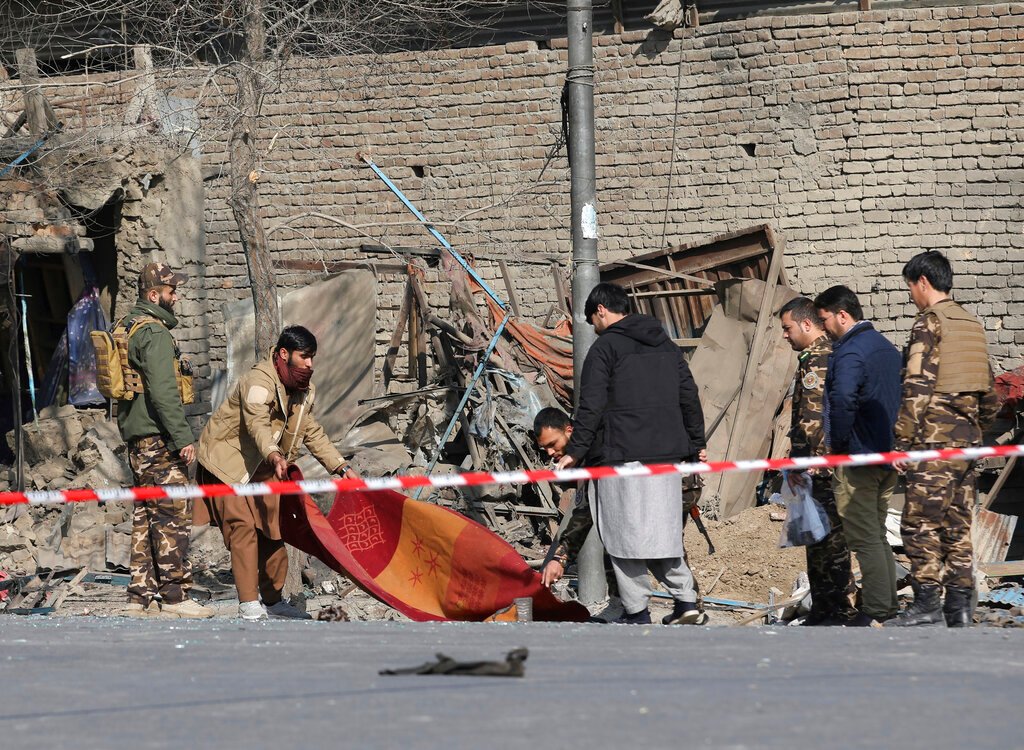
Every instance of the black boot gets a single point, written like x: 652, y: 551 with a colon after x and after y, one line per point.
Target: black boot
x: 643, y: 617
x: 925, y: 610
x: 957, y: 608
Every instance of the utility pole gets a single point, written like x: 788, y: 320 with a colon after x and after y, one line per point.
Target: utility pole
x: 593, y: 587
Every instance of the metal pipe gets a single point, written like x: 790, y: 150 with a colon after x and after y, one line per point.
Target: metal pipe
x: 433, y: 230
x: 28, y: 349
x: 465, y: 397
x: 579, y: 81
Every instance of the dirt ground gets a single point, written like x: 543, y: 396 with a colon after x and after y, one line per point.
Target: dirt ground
x: 746, y: 547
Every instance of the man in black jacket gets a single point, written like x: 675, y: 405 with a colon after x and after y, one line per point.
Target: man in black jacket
x: 638, y: 403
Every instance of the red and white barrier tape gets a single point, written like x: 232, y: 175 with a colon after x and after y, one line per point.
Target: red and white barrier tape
x: 475, y: 479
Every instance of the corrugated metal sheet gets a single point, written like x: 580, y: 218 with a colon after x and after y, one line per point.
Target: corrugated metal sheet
x: 991, y: 534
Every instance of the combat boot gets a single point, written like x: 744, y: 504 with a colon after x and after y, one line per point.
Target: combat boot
x: 925, y: 610
x: 957, y: 608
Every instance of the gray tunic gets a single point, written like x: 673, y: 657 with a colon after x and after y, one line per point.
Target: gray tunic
x: 639, y: 518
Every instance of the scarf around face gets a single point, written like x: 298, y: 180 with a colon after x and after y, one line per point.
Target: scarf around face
x: 293, y: 378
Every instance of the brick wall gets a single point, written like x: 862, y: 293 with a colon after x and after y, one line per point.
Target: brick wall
x: 864, y: 137
x: 875, y: 135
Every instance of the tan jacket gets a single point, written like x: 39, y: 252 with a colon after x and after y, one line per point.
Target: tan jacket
x: 250, y: 424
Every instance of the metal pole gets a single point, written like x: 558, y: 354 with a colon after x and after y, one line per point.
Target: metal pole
x: 583, y: 192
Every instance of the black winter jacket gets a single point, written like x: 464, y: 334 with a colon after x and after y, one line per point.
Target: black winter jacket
x: 638, y: 401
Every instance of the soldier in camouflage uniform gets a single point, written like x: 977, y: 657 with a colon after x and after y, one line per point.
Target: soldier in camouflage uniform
x: 947, y: 400
x: 828, y: 561
x: 160, y: 447
x: 553, y: 428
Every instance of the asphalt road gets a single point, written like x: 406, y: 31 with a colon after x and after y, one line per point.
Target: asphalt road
x: 113, y: 683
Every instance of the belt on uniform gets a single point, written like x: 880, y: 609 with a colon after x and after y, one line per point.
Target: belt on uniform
x: 150, y: 441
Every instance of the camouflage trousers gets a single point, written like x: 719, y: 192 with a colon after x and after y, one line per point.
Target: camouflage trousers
x: 828, y: 561
x: 160, y: 528
x: 936, y: 525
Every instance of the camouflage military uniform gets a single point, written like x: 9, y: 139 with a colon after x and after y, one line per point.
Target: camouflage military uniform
x: 160, y: 528
x: 936, y: 524
x: 154, y: 427
x: 828, y: 561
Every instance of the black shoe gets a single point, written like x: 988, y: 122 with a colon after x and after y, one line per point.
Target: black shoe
x: 957, y: 609
x: 815, y: 619
x: 643, y: 617
x: 683, y: 613
x: 856, y: 620
x: 926, y: 608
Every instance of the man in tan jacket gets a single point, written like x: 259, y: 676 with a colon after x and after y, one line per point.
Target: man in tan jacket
x: 255, y: 434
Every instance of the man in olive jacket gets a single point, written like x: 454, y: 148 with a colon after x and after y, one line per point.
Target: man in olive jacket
x: 160, y: 447
x: 254, y: 435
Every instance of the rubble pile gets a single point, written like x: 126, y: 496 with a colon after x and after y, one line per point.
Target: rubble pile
x: 68, y: 448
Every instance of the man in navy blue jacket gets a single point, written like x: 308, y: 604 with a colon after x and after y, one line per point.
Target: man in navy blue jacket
x: 862, y: 400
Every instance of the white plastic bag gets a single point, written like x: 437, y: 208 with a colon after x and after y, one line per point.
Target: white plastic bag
x: 806, y: 521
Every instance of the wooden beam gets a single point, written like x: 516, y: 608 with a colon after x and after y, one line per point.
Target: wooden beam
x: 433, y: 252
x: 396, y: 337
x: 1000, y: 481
x: 665, y: 272
x: 1002, y: 569
x: 509, y: 288
x: 143, y: 101
x: 677, y: 293
x: 50, y: 244
x: 337, y: 266
x: 35, y: 103
x: 756, y: 351
x: 864, y: 4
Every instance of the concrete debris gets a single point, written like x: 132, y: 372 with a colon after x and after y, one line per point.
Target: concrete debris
x: 67, y: 448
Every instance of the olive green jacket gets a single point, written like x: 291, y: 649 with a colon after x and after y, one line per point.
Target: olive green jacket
x: 158, y: 411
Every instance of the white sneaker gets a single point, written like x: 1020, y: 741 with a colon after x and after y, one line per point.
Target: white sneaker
x: 285, y: 610
x: 252, y: 611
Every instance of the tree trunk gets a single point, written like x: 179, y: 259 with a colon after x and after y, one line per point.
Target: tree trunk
x: 245, y: 199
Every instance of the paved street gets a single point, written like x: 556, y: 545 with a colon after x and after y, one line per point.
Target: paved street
x: 91, y: 683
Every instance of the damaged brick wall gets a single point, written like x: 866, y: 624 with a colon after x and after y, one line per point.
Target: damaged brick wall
x: 873, y: 136
x: 864, y: 137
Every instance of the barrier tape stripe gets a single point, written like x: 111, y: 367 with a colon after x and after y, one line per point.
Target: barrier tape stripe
x: 476, y: 479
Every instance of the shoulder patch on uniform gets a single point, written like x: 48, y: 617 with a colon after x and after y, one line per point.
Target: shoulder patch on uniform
x: 915, y: 358
x: 811, y: 380
x: 257, y: 395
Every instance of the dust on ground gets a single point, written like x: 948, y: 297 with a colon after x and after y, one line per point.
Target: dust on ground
x: 746, y: 546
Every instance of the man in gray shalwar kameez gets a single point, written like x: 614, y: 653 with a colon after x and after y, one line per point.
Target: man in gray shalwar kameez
x: 638, y: 404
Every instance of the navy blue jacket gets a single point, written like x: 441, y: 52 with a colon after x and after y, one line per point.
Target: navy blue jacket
x: 862, y: 392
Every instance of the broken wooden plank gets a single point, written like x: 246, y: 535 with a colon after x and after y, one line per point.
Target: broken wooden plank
x: 67, y: 589
x: 1001, y: 480
x: 396, y: 337
x: 664, y: 272
x: 52, y: 244
x: 36, y: 110
x: 509, y: 288
x: 337, y: 266
x: 1002, y: 569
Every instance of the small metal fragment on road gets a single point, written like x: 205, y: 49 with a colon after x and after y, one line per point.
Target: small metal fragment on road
x: 511, y: 667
